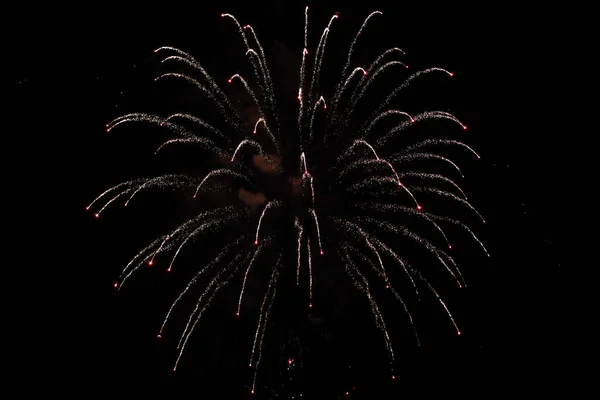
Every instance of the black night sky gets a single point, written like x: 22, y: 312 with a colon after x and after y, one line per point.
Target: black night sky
x: 77, y: 70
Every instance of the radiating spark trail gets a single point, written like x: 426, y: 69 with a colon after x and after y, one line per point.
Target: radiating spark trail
x: 351, y: 50
x: 248, y: 143
x: 429, y: 142
x: 448, y: 195
x: 300, y: 231
x: 272, y: 203
x: 314, y: 214
x: 194, y: 280
x: 310, y: 273
x: 366, y: 131
x: 221, y: 171
x: 312, y: 118
x: 314, y: 85
x: 408, y: 157
x: 263, y: 319
x: 162, y: 182
x: 256, y: 254
x: 302, y: 73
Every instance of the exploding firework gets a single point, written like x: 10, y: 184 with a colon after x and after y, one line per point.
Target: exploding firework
x: 342, y: 184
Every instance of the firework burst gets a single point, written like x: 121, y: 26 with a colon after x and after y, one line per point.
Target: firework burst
x: 344, y: 182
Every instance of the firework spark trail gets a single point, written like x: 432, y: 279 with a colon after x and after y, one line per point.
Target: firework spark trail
x: 218, y: 92
x: 366, y: 130
x: 436, y: 177
x: 272, y: 203
x: 303, y: 164
x: 310, y: 273
x: 448, y: 195
x: 206, y: 143
x: 351, y: 50
x: 388, y: 286
x: 429, y: 142
x: 409, y: 210
x: 248, y: 142
x: 209, y: 93
x: 314, y: 85
x: 387, y: 163
x: 462, y: 225
x: 175, y: 50
x: 312, y: 190
x: 354, y: 229
x: 269, y: 81
x: 439, y: 298
x: 374, y: 250
x: 201, y: 229
x: 361, y: 87
x: 199, y: 122
x: 152, y: 119
x: 189, y: 330
x: 312, y: 117
x: 220, y: 171
x: 300, y: 230
x: 258, y: 106
x: 201, y: 272
x: 314, y: 214
x: 338, y: 94
x: 266, y: 241
x: 427, y: 115
x: 363, y: 285
x: 121, y: 186
x: 164, y: 181
x: 263, y: 319
x: 438, y: 253
x: 302, y: 74
x: 97, y: 215
x: 255, y: 67
x: 406, y: 83
x: 400, y: 158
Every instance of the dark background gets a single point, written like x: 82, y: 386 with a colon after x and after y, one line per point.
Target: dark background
x: 76, y: 69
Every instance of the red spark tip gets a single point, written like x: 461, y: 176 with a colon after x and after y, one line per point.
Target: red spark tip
x: 309, y: 305
x: 97, y: 215
x: 365, y: 72
x: 405, y: 66
x: 115, y: 285
x: 229, y: 80
x: 450, y: 246
x: 347, y: 393
x: 464, y: 127
x: 393, y: 376
x: 237, y: 314
x: 419, y: 207
x: 387, y: 286
x: 254, y: 132
x: 87, y: 208
x: 451, y: 74
x: 169, y: 269
x: 324, y: 105
x: 250, y: 364
x: 246, y: 26
x: 222, y: 15
x: 255, y: 242
x: 150, y: 262
x: 459, y: 333
x: 321, y: 252
x: 159, y: 336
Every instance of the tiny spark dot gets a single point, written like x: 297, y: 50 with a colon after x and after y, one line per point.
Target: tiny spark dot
x: 459, y: 333
x: 252, y: 391
x: 255, y: 242
x: 150, y: 262
x: 321, y: 252
x: 169, y: 269
x: 159, y: 336
x: 387, y: 286
x: 254, y: 132
x: 237, y: 314
x: 96, y: 215
x: 451, y: 73
x: 229, y: 80
x: 115, y: 285
x: 464, y: 127
x: 393, y: 376
x: 250, y: 364
x: 365, y: 72
x: 347, y: 393
x: 450, y: 246
x: 87, y: 208
x: 419, y: 207
x: 222, y: 15
x: 310, y: 305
